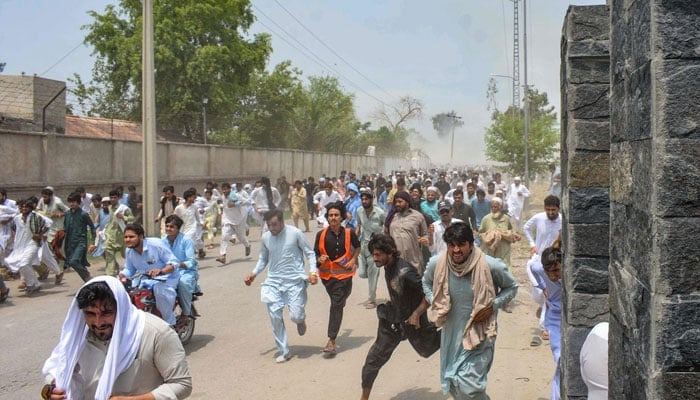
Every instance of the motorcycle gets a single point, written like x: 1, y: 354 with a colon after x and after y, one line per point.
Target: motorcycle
x: 144, y: 299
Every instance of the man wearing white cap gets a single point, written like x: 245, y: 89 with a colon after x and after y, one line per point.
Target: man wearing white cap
x: 110, y: 348
x: 516, y: 200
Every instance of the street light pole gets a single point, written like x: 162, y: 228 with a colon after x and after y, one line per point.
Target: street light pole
x: 452, y: 146
x: 527, y: 96
x: 150, y: 165
x: 204, y: 119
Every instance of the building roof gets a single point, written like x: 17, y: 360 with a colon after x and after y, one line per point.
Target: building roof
x: 115, y: 129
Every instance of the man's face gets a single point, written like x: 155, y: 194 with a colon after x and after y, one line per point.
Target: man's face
x: 74, y: 205
x: 275, y: 226
x: 334, y: 218
x: 329, y: 191
x: 470, y: 190
x: 46, y: 198
x: 114, y: 200
x: 380, y: 258
x: 430, y: 196
x: 105, y: 206
x: 2, y: 198
x: 459, y: 252
x: 132, y: 240
x: 552, y: 212
x: 96, y: 203
x: 100, y: 318
x: 458, y: 198
x: 516, y: 182
x: 351, y: 193
x: 445, y: 216
x: 442, y: 178
x: 171, y: 229
x: 25, y: 209
x: 480, y: 197
x: 491, y: 189
x: 226, y: 190
x: 495, y: 207
x: 415, y: 194
x: 401, y: 204
x: 168, y: 194
x: 554, y: 273
x: 366, y: 202
x: 190, y: 199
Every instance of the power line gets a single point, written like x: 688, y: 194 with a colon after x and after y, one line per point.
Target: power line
x: 333, y: 51
x: 318, y: 60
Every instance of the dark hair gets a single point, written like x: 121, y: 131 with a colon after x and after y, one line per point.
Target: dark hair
x: 225, y: 185
x: 458, y: 192
x: 80, y: 189
x: 174, y: 219
x: 458, y: 233
x: 416, y: 186
x: 471, y: 184
x: 268, y: 192
x: 550, y: 256
x: 480, y: 192
x: 30, y: 202
x: 297, y: 181
x: 389, y: 185
x: 189, y: 193
x: 97, y: 196
x: 401, y: 182
x: 274, y: 213
x: 338, y: 205
x: 136, y: 228
x: 47, y: 192
x: 131, y: 188
x: 3, y: 191
x: 383, y: 243
x: 168, y: 188
x: 114, y: 192
x: 552, y: 200
x: 75, y: 196
x: 95, y: 292
x: 369, y: 195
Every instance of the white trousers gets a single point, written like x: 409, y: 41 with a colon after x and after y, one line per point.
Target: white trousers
x: 536, y: 293
x: 227, y: 231
x: 276, y: 298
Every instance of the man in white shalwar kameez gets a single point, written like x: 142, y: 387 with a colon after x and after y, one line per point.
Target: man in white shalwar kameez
x: 192, y: 225
x: 322, y: 199
x: 233, y: 220
x: 516, y: 200
x: 283, y: 248
x: 29, y: 228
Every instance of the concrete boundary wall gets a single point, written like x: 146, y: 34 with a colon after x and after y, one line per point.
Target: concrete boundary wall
x: 31, y: 161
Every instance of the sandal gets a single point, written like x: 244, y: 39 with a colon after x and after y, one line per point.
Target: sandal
x: 370, y: 304
x: 536, y: 341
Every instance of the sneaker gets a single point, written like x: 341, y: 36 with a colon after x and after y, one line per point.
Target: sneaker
x: 221, y: 259
x: 59, y: 279
x: 282, y: 358
x: 301, y: 328
x: 247, y: 251
x: 370, y: 305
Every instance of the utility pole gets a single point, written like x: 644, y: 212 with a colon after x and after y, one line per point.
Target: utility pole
x: 526, y: 110
x: 150, y: 165
x: 452, y: 146
x: 516, y: 55
x: 204, y: 119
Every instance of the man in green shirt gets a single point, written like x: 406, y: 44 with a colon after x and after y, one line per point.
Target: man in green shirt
x: 76, y: 223
x: 119, y: 216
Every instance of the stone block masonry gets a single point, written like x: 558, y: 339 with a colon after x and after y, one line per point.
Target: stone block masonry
x: 586, y: 177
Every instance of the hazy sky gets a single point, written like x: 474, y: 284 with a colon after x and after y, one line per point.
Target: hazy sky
x: 441, y: 52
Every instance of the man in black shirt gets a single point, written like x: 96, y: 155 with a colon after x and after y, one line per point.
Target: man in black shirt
x: 403, y: 317
x: 337, y: 249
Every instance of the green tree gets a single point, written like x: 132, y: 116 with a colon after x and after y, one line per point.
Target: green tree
x: 444, y: 123
x: 505, y: 137
x: 202, y: 51
x: 325, y: 119
x: 2, y: 66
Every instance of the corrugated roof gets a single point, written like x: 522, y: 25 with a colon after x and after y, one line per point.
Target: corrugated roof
x: 115, y: 129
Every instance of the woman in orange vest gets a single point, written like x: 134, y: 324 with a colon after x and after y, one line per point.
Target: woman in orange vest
x: 337, y: 249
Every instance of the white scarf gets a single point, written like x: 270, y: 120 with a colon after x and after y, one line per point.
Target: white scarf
x: 123, y: 346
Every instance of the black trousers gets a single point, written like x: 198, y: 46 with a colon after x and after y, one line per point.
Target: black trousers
x: 338, y: 291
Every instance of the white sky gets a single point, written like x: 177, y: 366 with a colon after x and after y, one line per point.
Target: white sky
x: 440, y: 52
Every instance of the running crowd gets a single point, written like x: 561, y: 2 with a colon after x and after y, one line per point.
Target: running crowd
x: 443, y: 239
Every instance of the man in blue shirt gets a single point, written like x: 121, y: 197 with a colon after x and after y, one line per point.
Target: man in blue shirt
x: 182, y: 247
x: 151, y: 258
x: 283, y: 248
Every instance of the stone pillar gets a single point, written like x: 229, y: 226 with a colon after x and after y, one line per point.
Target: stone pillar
x: 655, y: 200
x: 585, y: 155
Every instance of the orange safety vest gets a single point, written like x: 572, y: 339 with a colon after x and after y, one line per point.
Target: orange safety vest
x: 335, y: 268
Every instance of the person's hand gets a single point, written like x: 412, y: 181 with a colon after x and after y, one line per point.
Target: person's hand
x: 517, y: 237
x: 484, y: 314
x: 57, y: 394
x: 157, y: 219
x: 431, y: 229
x: 154, y: 272
x: 119, y: 215
x: 313, y: 278
x: 350, y: 265
x: 249, y: 279
x: 533, y: 251
x: 91, y: 248
x: 36, y: 236
x: 414, y: 320
x: 323, y: 258
x: 423, y: 241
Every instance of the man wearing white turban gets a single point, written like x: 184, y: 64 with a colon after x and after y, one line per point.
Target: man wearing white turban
x: 108, y: 348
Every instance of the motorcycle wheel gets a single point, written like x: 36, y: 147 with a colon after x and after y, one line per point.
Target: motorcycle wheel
x: 185, y: 330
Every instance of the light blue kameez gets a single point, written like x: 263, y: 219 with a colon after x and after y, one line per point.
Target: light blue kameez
x: 463, y: 373
x: 183, y: 249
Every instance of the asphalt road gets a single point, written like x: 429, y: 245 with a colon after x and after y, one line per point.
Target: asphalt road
x: 232, y: 354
